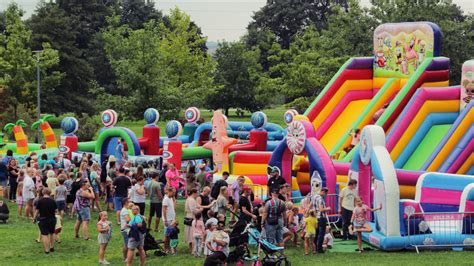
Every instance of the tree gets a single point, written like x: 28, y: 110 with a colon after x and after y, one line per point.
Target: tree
x: 458, y: 28
x: 158, y: 65
x: 135, y: 13
x: 51, y: 24
x: 18, y: 63
x: 236, y: 78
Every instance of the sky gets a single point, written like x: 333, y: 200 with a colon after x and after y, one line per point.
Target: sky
x: 218, y: 19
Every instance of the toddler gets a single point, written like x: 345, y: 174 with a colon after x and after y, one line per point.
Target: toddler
x: 172, y: 232
x: 310, y: 228
x: 211, y: 226
x: 19, y: 199
x: 328, y: 238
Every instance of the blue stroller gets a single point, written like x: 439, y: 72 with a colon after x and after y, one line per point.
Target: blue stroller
x: 274, y: 255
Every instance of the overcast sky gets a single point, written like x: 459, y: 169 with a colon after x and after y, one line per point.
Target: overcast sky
x: 219, y: 19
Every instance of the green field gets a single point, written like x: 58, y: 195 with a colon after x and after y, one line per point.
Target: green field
x: 19, y: 248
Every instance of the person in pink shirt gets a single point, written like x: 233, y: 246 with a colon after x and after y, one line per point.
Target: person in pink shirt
x: 359, y: 220
x: 173, y: 177
x: 199, y: 233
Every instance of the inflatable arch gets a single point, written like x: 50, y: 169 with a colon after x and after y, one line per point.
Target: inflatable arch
x: 109, y: 134
x: 301, y: 140
x: 372, y: 158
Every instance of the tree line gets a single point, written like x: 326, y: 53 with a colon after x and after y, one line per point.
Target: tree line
x: 127, y: 55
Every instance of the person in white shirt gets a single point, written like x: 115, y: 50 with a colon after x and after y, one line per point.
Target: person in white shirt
x: 28, y: 192
x: 347, y: 198
x: 168, y: 212
x: 138, y: 194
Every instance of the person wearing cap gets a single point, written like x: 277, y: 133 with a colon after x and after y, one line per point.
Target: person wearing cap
x: 319, y: 205
x: 245, y: 205
x: 275, y: 181
x: 273, y: 218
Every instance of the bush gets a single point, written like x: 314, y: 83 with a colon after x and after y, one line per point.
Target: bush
x: 300, y: 104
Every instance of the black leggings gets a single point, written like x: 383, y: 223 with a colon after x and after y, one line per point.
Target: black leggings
x: 217, y: 258
x: 13, y: 187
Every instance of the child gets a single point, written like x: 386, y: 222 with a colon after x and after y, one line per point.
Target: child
x: 60, y: 195
x: 355, y: 134
x: 172, y: 233
x: 328, y: 238
x: 359, y: 220
x: 104, y: 227
x: 68, y: 185
x: 198, y: 231
x: 310, y: 228
x: 58, y: 227
x: 293, y: 222
x: 19, y: 199
x: 211, y: 226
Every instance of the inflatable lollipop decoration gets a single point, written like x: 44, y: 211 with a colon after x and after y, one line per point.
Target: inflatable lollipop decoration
x: 69, y: 125
x: 173, y: 129
x: 68, y: 141
x: 172, y: 148
x: 192, y: 115
x: 109, y: 118
x: 151, y: 116
x: 289, y: 115
x: 259, y: 120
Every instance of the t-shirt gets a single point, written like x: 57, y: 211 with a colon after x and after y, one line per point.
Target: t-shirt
x: 216, y: 189
x: 311, y: 224
x: 328, y: 239
x: 236, y: 191
x: 123, y: 213
x: 222, y: 236
x: 245, y: 202
x: 275, y: 208
x: 316, y: 202
x: 360, y: 214
x: 348, y: 196
x: 28, y: 187
x: 173, y: 176
x: 222, y: 205
x: 170, y: 214
x: 203, y: 182
x: 122, y: 184
x: 154, y: 188
x: 198, y: 228
x: 93, y: 176
x: 275, y: 183
x: 136, y: 220
x: 136, y: 197
x: 46, y: 207
x: 61, y: 192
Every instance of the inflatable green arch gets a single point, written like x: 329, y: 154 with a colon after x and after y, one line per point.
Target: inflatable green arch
x: 117, y: 132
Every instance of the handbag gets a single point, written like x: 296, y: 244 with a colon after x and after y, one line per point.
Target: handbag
x: 188, y: 221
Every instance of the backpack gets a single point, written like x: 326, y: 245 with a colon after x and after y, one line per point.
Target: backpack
x: 216, y: 189
x: 275, y: 212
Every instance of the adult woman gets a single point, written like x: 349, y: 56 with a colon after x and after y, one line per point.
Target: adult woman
x: 111, y: 167
x: 190, y: 209
x: 140, y: 173
x: 95, y: 183
x: 223, y: 201
x: 52, y: 181
x: 173, y: 177
x: 82, y: 205
x: 76, y: 185
x: 13, y: 172
x: 236, y: 191
x: 83, y: 169
x: 191, y: 178
x: 138, y: 194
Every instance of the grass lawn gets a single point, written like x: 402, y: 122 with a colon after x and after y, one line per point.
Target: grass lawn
x: 19, y: 248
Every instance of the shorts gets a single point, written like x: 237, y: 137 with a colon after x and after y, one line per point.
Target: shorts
x: 57, y: 231
x: 61, y: 205
x: 95, y: 188
x: 19, y: 201
x: 285, y: 230
x: 359, y: 224
x: 3, y: 183
x: 118, y: 203
x: 133, y: 243
x: 84, y: 214
x: 124, y: 234
x: 310, y: 235
x: 174, y: 243
x: 110, y: 200
x: 47, y: 226
x: 70, y: 199
x: 274, y: 233
x: 155, y: 209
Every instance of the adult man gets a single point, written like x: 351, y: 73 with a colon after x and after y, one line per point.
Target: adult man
x: 245, y: 205
x: 219, y: 246
x: 46, y: 207
x: 346, y: 204
x: 220, y: 183
x: 124, y: 229
x: 136, y: 238
x: 275, y: 181
x: 168, y: 212
x: 28, y: 192
x: 121, y: 185
x: 84, y: 196
x: 155, y: 201
x: 273, y: 218
x: 319, y: 204
x: 204, y: 202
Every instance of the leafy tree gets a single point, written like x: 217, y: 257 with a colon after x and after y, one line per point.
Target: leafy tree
x: 18, y: 63
x: 159, y: 65
x: 135, y: 13
x: 457, y: 27
x: 51, y: 24
x: 236, y: 78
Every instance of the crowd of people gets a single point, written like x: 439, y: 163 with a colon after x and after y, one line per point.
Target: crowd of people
x: 45, y: 190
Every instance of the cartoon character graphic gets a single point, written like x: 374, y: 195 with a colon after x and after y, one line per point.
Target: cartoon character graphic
x: 220, y: 142
x: 399, y: 55
x: 421, y: 51
x: 468, y: 86
x: 380, y: 59
x: 410, y: 54
x: 316, y: 183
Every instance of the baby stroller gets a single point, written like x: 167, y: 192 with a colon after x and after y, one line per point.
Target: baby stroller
x: 239, y: 239
x: 152, y: 244
x: 274, y: 255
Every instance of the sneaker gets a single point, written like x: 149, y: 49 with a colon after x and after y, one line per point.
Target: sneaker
x: 104, y: 262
